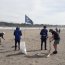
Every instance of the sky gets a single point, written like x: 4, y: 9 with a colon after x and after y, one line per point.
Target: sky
x: 39, y: 11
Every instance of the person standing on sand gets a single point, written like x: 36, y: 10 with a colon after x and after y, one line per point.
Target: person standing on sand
x: 44, y: 35
x: 17, y: 34
x: 56, y: 38
x: 57, y: 30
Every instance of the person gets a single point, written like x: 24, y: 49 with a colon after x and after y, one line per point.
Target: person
x: 17, y: 34
x: 2, y: 36
x: 55, y: 36
x: 44, y: 35
x: 57, y: 30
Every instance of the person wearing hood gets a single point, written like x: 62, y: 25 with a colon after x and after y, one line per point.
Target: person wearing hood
x: 17, y: 34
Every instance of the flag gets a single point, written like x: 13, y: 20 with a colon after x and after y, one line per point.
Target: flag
x: 28, y: 20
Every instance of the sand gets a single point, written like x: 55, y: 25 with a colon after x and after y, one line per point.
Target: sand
x: 32, y: 39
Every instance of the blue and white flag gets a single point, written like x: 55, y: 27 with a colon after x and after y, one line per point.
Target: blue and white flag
x: 28, y: 20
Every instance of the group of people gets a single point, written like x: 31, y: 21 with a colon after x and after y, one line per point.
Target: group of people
x: 17, y: 34
x: 55, y: 36
x: 44, y: 35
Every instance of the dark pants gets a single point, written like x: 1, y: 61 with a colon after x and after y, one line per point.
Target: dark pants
x: 45, y: 43
x: 17, y: 41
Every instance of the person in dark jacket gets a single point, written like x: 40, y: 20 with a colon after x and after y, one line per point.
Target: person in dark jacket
x: 56, y: 38
x: 44, y: 35
x: 2, y: 36
x: 17, y: 34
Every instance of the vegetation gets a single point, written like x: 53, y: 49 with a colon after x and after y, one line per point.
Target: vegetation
x: 6, y: 24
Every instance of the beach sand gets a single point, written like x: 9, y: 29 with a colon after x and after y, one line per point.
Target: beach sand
x: 31, y: 37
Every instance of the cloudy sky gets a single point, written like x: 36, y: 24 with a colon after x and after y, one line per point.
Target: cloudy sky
x: 40, y: 11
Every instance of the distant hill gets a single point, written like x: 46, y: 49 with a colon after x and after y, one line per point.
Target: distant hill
x: 8, y: 24
x: 4, y: 24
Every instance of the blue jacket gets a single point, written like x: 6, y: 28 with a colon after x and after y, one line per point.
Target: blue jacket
x: 17, y: 34
x: 44, y: 33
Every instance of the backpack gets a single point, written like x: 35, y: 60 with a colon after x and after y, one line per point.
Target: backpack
x: 43, y: 34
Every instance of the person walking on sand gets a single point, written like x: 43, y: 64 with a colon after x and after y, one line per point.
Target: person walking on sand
x: 44, y: 35
x: 55, y: 36
x: 17, y: 34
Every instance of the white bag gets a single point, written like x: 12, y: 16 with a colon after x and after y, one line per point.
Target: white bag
x: 23, y: 47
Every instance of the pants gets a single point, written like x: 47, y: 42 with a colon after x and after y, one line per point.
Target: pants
x: 17, y: 41
x: 45, y: 43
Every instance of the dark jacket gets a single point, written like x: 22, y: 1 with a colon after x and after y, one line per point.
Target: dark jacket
x: 17, y: 34
x: 44, y: 33
x: 56, y: 35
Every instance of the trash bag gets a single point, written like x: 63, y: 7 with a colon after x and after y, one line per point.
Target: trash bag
x: 23, y: 47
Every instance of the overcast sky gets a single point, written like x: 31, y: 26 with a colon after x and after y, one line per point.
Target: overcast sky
x: 40, y: 11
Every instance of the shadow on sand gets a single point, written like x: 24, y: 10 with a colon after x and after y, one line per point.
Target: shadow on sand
x: 44, y: 55
x: 37, y: 55
x: 34, y: 50
x: 1, y: 49
x: 6, y: 51
x: 13, y: 47
x: 15, y: 54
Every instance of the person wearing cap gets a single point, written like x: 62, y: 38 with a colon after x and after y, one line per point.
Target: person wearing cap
x: 55, y: 36
x: 17, y: 34
x: 44, y: 35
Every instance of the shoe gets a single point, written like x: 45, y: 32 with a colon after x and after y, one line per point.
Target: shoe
x: 14, y: 49
x: 45, y: 49
x: 55, y: 52
x: 41, y: 49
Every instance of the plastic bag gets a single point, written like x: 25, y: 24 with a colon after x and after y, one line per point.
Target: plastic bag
x: 23, y: 47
